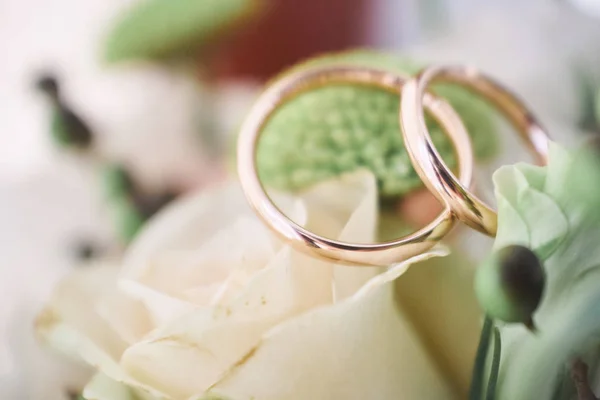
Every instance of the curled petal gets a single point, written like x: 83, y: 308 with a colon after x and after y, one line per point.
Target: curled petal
x: 360, y: 348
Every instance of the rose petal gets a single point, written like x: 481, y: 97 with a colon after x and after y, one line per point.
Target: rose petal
x: 206, y: 347
x: 126, y: 316
x: 360, y: 348
x: 101, y: 387
x: 73, y: 304
x: 72, y: 324
x: 360, y: 228
x: 437, y: 297
x: 185, y: 224
x: 161, y: 307
x: 207, y: 343
x: 173, y: 277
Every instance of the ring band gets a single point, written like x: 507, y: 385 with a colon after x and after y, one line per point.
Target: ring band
x: 300, y: 238
x: 438, y: 178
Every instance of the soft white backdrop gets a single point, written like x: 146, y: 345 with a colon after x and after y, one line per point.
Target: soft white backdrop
x: 140, y: 113
x: 46, y: 199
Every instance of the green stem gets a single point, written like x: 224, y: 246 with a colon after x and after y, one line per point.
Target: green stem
x: 491, y: 389
x: 579, y: 373
x: 477, y: 378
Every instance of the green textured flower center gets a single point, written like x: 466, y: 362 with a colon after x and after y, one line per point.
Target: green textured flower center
x: 341, y: 128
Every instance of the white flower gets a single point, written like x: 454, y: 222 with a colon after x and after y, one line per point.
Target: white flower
x: 209, y: 303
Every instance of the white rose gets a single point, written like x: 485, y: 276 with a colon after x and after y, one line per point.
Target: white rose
x: 209, y: 305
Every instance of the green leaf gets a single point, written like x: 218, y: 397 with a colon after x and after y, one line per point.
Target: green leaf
x: 555, y: 211
x: 340, y: 128
x: 479, y: 367
x: 572, y: 332
x: 117, y: 181
x: 59, y: 130
x: 128, y: 218
x: 157, y: 29
x: 586, y: 91
x: 495, y: 369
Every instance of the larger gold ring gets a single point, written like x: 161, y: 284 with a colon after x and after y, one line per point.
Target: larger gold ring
x: 350, y: 253
x: 438, y: 178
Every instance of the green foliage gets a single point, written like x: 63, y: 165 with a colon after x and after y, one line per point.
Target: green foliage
x: 157, y: 29
x: 59, y: 130
x: 337, y: 129
x: 597, y: 109
x: 128, y: 218
x: 476, y: 391
x: 68, y: 130
x: 555, y: 211
x: 120, y: 189
x: 510, y: 283
x: 116, y: 181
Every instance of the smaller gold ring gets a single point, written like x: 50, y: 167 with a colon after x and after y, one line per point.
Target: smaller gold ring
x: 300, y: 238
x: 438, y: 178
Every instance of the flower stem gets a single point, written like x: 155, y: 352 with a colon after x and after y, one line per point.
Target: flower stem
x: 477, y: 379
x: 493, y: 379
x: 579, y: 374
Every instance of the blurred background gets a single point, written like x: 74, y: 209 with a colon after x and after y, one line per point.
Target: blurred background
x: 109, y: 109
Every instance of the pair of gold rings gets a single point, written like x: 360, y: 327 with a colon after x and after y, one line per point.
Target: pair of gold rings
x: 453, y: 192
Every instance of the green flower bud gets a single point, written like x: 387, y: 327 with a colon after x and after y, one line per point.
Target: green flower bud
x: 68, y: 130
x: 117, y: 181
x: 340, y: 128
x: 510, y: 283
x: 128, y: 218
x: 48, y: 84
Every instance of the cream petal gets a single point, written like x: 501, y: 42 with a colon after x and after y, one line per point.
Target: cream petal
x: 345, y: 209
x: 360, y: 348
x: 437, y: 297
x: 360, y: 228
x: 101, y: 387
x: 174, y: 272
x: 74, y: 304
x: 189, y: 356
x: 192, y: 221
x: 206, y: 343
x: 181, y: 364
x: 207, y: 294
x: 332, y: 204
x: 161, y: 307
x: 399, y: 269
x: 225, y: 263
x: 185, y: 224
x: 128, y: 317
x: 172, y: 276
x: 72, y: 325
x: 69, y: 341
x: 255, y: 247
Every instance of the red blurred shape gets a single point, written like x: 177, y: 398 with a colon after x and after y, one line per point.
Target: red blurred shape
x: 289, y: 31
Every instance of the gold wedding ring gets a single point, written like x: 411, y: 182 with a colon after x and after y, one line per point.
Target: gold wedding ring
x: 300, y: 238
x: 438, y: 178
